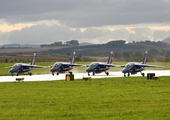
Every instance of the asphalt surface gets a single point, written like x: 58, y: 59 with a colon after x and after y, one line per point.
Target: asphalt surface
x: 49, y: 77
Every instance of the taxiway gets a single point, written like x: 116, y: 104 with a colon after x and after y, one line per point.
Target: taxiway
x: 49, y: 77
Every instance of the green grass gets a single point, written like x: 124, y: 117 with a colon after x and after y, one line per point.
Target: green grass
x: 130, y: 98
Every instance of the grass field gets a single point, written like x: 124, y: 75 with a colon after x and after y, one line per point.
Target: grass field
x: 130, y: 98
x: 4, y: 71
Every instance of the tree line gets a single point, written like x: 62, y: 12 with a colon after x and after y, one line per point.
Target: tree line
x: 123, y: 51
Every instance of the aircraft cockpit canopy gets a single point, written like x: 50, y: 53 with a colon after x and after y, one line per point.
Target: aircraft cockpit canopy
x: 16, y: 66
x: 93, y: 65
x: 129, y: 65
x: 57, y: 64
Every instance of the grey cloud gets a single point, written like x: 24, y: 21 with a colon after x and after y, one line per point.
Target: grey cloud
x: 87, y: 13
x: 161, y: 34
x: 119, y: 34
x: 142, y: 31
x: 140, y: 34
x: 84, y: 14
x: 47, y: 34
x: 43, y: 34
x: 4, y: 38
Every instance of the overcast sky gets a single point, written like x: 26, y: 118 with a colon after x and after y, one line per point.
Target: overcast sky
x: 95, y: 21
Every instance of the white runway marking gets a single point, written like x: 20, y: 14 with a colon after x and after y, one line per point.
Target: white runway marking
x: 49, y: 77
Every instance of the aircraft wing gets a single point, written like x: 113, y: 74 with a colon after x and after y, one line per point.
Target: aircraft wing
x: 37, y: 66
x: 146, y: 65
x: 33, y: 66
x: 122, y: 66
x: 73, y: 64
x: 109, y: 65
x: 86, y: 65
x: 104, y: 64
x: 9, y: 67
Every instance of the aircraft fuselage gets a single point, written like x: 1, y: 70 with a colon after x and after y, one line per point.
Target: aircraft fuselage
x: 131, y: 68
x: 96, y: 68
x: 60, y: 68
x: 20, y: 69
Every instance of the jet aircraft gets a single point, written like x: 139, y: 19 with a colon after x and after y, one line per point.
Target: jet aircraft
x: 22, y: 67
x: 98, y: 67
x: 62, y: 67
x: 134, y: 68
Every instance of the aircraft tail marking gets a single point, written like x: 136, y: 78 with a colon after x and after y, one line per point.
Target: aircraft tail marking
x: 145, y: 58
x: 110, y: 59
x: 72, y: 61
x: 33, y: 59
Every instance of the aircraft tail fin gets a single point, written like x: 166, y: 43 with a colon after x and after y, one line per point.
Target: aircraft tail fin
x: 110, y: 59
x: 145, y: 58
x: 33, y: 59
x: 72, y: 61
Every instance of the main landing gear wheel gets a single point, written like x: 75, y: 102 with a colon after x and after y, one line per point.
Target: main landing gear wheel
x: 12, y: 74
x: 128, y: 74
x: 107, y: 73
x: 53, y: 74
x: 30, y: 73
x: 70, y: 73
x: 57, y: 73
x: 124, y: 75
x: 143, y: 74
x: 93, y: 73
x: 88, y: 74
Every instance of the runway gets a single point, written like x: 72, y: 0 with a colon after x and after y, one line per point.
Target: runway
x: 49, y: 77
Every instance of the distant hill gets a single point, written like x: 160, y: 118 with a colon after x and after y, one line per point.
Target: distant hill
x: 116, y: 46
x: 167, y: 40
x: 19, y: 46
x: 85, y: 44
x: 132, y: 51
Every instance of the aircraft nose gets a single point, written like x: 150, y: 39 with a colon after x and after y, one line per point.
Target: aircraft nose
x: 124, y: 70
x: 11, y: 70
x: 52, y: 69
x: 88, y: 69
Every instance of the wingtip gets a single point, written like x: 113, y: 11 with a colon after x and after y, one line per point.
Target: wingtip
x: 111, y: 52
x: 146, y: 52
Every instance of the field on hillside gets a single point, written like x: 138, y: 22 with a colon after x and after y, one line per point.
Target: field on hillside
x: 28, y: 50
x: 82, y: 69
x: 130, y: 98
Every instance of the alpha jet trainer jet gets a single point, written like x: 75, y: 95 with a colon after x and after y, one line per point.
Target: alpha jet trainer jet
x: 134, y: 68
x: 22, y: 67
x: 62, y: 67
x: 98, y: 67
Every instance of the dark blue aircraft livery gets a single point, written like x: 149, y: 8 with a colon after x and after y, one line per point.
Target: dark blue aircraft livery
x: 134, y: 68
x: 20, y: 68
x: 62, y: 67
x: 98, y: 67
